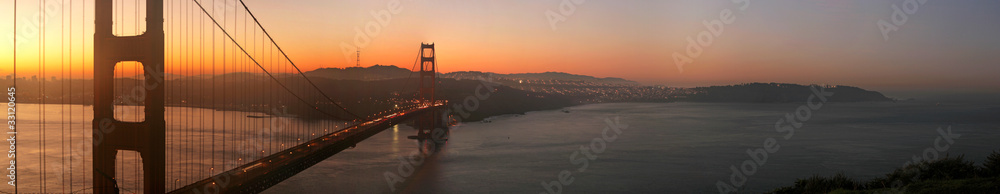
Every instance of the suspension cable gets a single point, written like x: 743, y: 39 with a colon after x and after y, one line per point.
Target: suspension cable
x: 293, y: 63
x: 262, y: 67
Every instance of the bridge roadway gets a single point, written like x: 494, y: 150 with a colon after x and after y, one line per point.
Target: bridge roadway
x: 257, y: 176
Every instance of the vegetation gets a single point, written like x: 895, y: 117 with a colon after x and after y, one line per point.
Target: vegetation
x: 946, y: 175
x: 991, y: 167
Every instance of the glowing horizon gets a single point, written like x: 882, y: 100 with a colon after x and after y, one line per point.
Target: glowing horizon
x: 813, y: 42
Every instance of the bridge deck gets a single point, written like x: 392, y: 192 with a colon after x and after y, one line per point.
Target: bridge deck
x: 257, y: 176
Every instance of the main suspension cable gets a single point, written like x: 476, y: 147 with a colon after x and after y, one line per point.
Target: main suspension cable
x: 262, y: 67
x: 293, y: 63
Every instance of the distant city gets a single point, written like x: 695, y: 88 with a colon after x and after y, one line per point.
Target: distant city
x: 582, y: 89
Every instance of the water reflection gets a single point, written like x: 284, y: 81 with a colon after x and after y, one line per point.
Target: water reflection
x: 431, y: 142
x: 426, y: 165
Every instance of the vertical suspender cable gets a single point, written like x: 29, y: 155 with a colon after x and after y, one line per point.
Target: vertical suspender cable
x: 170, y: 46
x: 62, y: 96
x: 70, y: 88
x: 41, y: 95
x: 212, y: 167
x: 83, y: 58
x: 225, y: 19
x: 15, y: 71
x: 202, y: 101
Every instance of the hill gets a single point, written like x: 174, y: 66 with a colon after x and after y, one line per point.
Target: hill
x: 385, y: 72
x: 778, y: 92
x: 377, y: 72
x: 538, y: 76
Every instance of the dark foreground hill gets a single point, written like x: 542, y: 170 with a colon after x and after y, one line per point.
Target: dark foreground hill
x: 946, y: 175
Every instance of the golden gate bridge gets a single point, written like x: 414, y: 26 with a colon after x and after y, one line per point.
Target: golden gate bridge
x: 206, y: 49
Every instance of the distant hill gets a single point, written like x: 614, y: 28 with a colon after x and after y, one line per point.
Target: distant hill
x: 778, y: 92
x: 373, y: 73
x: 567, y: 76
x: 538, y: 76
x: 383, y: 72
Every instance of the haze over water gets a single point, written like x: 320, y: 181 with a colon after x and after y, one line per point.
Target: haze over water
x: 200, y: 142
x: 667, y: 148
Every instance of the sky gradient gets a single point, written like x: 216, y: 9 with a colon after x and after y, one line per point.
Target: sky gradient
x: 944, y: 44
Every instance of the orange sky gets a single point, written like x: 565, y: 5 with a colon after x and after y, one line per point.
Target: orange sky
x: 797, y: 42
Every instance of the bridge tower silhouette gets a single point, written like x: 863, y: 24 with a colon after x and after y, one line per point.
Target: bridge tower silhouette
x: 240, y: 173
x: 428, y: 72
x: 147, y: 137
x: 428, y: 80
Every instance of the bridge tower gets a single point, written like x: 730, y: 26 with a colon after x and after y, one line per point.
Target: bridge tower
x: 428, y: 80
x: 148, y: 137
x: 428, y: 73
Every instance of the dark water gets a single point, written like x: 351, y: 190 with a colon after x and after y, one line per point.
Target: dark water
x: 666, y: 148
x: 54, y: 145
